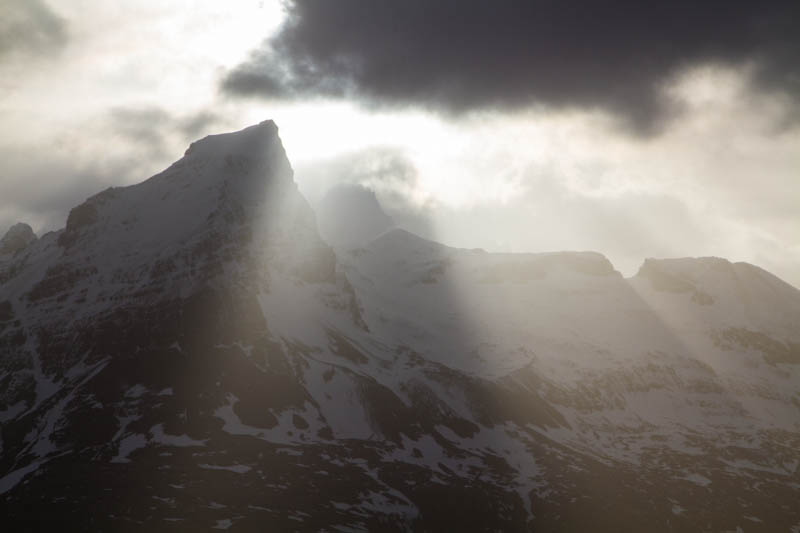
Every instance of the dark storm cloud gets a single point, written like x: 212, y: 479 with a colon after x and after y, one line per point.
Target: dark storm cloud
x: 457, y: 56
x: 30, y: 26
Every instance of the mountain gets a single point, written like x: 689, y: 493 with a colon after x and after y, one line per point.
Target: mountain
x: 350, y: 215
x: 189, y: 353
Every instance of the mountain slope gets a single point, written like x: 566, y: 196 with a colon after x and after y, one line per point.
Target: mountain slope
x: 189, y: 353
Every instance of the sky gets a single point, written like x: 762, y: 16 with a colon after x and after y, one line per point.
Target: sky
x: 629, y: 128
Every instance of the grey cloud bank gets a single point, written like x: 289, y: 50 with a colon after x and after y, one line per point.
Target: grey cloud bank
x: 30, y: 26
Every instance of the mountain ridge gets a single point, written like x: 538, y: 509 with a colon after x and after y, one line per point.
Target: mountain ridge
x: 189, y: 353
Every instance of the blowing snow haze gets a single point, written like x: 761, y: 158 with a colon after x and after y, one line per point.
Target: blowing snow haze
x: 527, y: 266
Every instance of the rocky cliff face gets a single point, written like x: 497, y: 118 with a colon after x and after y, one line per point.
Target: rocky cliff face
x: 16, y: 239
x: 188, y: 353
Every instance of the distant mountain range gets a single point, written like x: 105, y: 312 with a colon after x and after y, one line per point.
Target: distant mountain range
x: 189, y: 353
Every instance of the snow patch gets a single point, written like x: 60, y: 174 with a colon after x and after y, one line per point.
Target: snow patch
x: 9, y: 481
x: 239, y: 469
x: 127, y: 446
x: 173, y: 440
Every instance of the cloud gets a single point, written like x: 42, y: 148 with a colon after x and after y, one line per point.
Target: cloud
x: 459, y: 56
x: 30, y: 26
x: 550, y: 215
x: 385, y: 170
x: 351, y: 215
x: 40, y: 185
x: 158, y: 132
x: 146, y: 126
x: 714, y: 184
x: 197, y: 125
x: 42, y: 180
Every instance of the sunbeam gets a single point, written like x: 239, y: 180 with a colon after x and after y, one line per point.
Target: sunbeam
x: 399, y: 266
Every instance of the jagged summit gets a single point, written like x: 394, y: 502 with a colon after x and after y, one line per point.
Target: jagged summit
x: 221, y: 181
x: 16, y: 238
x: 213, y: 169
x: 253, y: 141
x: 230, y: 199
x: 351, y: 215
x: 244, y: 163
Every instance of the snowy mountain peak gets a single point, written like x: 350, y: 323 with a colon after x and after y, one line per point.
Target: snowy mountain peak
x: 16, y: 238
x: 253, y: 141
x: 230, y: 203
x: 222, y: 180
